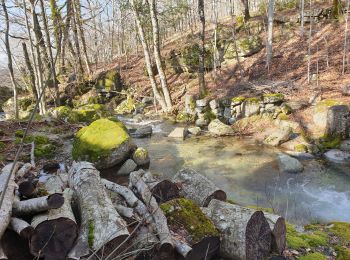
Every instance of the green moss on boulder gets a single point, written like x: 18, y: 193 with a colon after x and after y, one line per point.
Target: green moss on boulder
x: 184, y: 117
x: 141, y: 156
x: 342, y: 231
x: 301, y: 148
x: 314, y: 256
x: 127, y: 106
x: 104, y: 142
x: 91, y: 112
x: 65, y: 113
x: 185, y: 214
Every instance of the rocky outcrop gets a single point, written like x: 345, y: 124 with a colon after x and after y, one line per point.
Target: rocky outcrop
x: 338, y: 121
x: 105, y: 143
x: 217, y: 128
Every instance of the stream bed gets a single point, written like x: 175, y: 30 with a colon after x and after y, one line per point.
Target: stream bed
x: 249, y: 174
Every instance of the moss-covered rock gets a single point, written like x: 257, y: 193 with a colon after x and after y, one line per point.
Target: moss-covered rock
x: 141, y: 156
x: 184, y: 117
x: 329, y: 142
x: 91, y: 112
x: 342, y: 231
x: 5, y: 94
x: 301, y: 148
x: 321, y: 109
x: 44, y: 151
x: 25, y: 107
x: 271, y: 98
x: 104, y: 142
x: 190, y: 58
x: 64, y: 113
x: 43, y: 148
x: 127, y: 106
x: 185, y: 214
x: 314, y: 256
x: 110, y: 81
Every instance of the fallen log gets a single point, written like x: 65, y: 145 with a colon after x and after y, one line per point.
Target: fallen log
x: 160, y: 221
x: 37, y: 205
x: 144, y: 243
x: 22, y: 228
x: 8, y: 193
x: 278, y: 232
x: 55, y: 231
x: 127, y: 194
x: 195, y: 234
x: 99, y: 219
x: 245, y: 233
x: 2, y: 253
x: 197, y: 187
x: 162, y: 190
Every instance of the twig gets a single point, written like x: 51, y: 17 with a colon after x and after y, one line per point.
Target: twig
x: 32, y: 158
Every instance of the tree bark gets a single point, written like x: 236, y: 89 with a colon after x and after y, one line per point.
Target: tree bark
x: 197, y: 187
x: 8, y: 193
x: 30, y: 70
x: 9, y: 57
x: 245, y: 233
x: 160, y: 220
x: 278, y: 232
x: 269, y: 34
x: 22, y: 228
x: 160, y: 98
x: 157, y: 55
x: 99, y: 219
x: 201, y: 79
x: 65, y: 38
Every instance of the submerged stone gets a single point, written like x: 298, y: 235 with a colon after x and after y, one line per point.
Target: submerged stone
x: 337, y: 156
x: 288, y: 164
x: 105, y: 143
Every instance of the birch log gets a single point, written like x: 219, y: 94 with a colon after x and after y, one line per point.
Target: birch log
x: 22, y: 228
x: 99, y: 218
x: 245, y: 233
x: 55, y: 231
x: 8, y: 193
x: 197, y: 187
x: 278, y: 232
x: 37, y: 205
x: 162, y: 190
x: 2, y: 253
x: 166, y: 243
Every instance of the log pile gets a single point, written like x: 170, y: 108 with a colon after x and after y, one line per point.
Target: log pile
x: 79, y: 215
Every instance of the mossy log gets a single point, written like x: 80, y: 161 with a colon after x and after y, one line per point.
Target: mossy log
x: 162, y: 190
x: 22, y: 228
x: 185, y: 217
x: 278, y: 232
x: 8, y: 193
x: 197, y: 187
x: 55, y: 231
x: 101, y: 225
x: 245, y: 233
x: 160, y: 221
x: 37, y: 205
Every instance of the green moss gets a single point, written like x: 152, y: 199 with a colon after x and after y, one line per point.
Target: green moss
x: 239, y: 99
x: 342, y: 231
x: 98, y: 140
x: 301, y: 148
x: 343, y: 253
x: 127, y: 106
x: 314, y: 256
x: 329, y: 142
x: 66, y: 114
x: 44, y: 151
x: 190, y: 57
x: 209, y: 115
x: 141, y: 153
x: 274, y: 95
x: 184, y: 117
x: 183, y: 213
x: 253, y: 100
x: 90, y: 112
x: 91, y: 233
x: 283, y: 116
x: 2, y: 146
x: 19, y: 133
x: 325, y: 104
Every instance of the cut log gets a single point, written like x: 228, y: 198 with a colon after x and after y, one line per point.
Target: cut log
x: 25, y: 169
x: 279, y: 232
x: 22, y: 228
x: 195, y: 234
x: 197, y: 187
x: 26, y: 180
x: 8, y: 193
x: 162, y: 190
x: 37, y: 205
x: 55, y: 231
x: 245, y: 233
x: 161, y: 224
x: 2, y: 253
x: 99, y: 219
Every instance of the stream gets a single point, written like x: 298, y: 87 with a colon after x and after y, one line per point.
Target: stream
x: 249, y: 174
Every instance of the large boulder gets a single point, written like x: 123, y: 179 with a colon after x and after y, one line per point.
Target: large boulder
x: 216, y: 127
x: 127, y: 106
x: 178, y: 132
x: 288, y: 164
x: 338, y: 121
x: 25, y: 107
x: 320, y: 112
x: 279, y: 137
x: 91, y: 112
x: 105, y: 143
x: 337, y: 156
x: 141, y: 132
x: 251, y: 107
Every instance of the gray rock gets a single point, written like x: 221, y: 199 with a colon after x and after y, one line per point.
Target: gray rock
x: 216, y: 127
x: 273, y: 98
x: 213, y: 104
x: 337, y: 156
x: 345, y: 146
x: 178, y: 132
x: 232, y: 120
x: 338, y: 121
x: 201, y: 102
x: 147, y: 100
x: 282, y: 135
x: 251, y: 108
x: 346, y: 91
x: 142, y: 132
x: 288, y: 164
x: 227, y: 113
x: 300, y: 155
x: 127, y: 167
x: 199, y: 109
x: 297, y: 105
x: 194, y: 130
x: 141, y: 156
x: 201, y: 122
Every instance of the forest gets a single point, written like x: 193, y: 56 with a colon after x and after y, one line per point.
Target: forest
x: 175, y: 129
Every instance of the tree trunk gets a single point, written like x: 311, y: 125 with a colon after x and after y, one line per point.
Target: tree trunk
x: 245, y: 233
x: 99, y: 219
x: 157, y: 55
x: 160, y: 98
x: 55, y: 231
x: 30, y: 70
x: 278, y: 231
x: 7, y: 195
x: 201, y: 79
x: 22, y: 228
x: 197, y: 187
x: 246, y: 9
x: 76, y: 42
x: 269, y: 35
x: 160, y: 220
x: 65, y: 38
x: 58, y: 25
x: 9, y: 57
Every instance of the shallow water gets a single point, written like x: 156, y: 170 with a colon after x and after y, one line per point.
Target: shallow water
x: 249, y: 174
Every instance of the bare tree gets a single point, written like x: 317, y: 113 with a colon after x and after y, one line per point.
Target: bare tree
x: 201, y: 79
x: 9, y: 57
x: 345, y: 51
x: 269, y: 34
